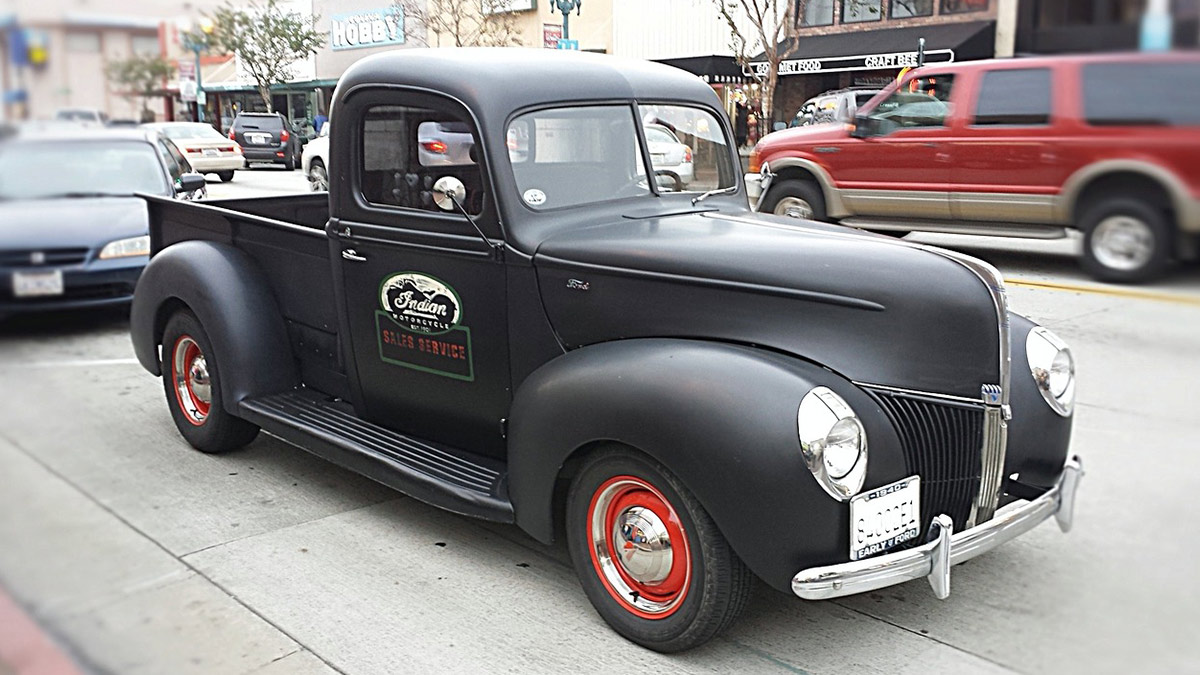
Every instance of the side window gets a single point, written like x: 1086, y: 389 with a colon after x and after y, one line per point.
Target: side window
x: 1014, y: 97
x: 1142, y: 94
x: 920, y: 102
x: 173, y: 165
x: 406, y: 149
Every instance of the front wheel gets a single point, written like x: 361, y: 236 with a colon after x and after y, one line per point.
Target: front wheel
x: 796, y: 199
x: 318, y: 177
x: 651, y: 560
x: 1125, y: 240
x: 191, y: 378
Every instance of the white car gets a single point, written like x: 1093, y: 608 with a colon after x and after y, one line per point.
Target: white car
x: 204, y: 147
x: 668, y: 154
x: 315, y: 161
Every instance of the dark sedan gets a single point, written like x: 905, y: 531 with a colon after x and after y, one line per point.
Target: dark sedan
x: 72, y: 233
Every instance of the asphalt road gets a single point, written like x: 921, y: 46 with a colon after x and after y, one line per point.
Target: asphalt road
x: 141, y: 555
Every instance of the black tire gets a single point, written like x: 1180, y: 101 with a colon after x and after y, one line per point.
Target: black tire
x: 717, y: 585
x: 318, y: 176
x: 207, y: 428
x: 785, y: 194
x: 1148, y: 240
x: 289, y: 163
x: 225, y: 176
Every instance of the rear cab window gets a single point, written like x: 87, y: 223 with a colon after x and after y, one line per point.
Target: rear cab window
x: 1014, y: 97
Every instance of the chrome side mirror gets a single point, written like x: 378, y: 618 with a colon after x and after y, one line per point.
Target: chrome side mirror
x: 446, y: 190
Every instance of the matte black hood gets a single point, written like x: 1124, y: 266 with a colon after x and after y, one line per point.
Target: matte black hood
x: 870, y: 307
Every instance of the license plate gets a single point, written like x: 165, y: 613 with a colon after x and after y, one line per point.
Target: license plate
x: 258, y: 139
x: 34, y: 284
x: 885, y: 517
x: 211, y: 152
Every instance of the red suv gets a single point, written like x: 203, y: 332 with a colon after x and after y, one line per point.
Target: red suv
x: 1106, y: 144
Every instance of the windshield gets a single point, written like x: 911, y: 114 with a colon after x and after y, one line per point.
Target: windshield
x: 49, y: 169
x: 589, y: 154
x: 179, y: 132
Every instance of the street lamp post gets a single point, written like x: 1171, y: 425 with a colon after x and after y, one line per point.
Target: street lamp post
x: 196, y: 39
x: 565, y: 6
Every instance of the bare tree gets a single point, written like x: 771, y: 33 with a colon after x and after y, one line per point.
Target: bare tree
x: 267, y: 39
x: 461, y: 23
x: 761, y: 26
x: 140, y: 77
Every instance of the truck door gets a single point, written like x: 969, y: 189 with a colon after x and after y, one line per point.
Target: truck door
x: 424, y: 294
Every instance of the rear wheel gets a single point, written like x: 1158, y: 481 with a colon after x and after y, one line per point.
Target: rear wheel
x: 649, y: 557
x: 1125, y: 240
x: 289, y: 163
x: 796, y: 199
x: 225, y: 176
x: 191, y: 378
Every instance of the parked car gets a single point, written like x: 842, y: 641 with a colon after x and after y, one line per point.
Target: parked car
x: 72, y: 233
x: 668, y: 154
x: 445, y: 143
x: 314, y: 161
x: 839, y: 105
x: 84, y: 116
x: 691, y: 393
x: 205, y: 148
x: 1108, y: 145
x: 264, y: 137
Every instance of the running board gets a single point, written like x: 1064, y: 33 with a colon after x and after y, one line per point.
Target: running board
x: 445, y: 477
x: 1029, y: 231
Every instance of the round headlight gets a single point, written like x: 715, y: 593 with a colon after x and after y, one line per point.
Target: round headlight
x: 1053, y: 369
x: 833, y: 443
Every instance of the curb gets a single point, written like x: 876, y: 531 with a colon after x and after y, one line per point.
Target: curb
x: 25, y: 649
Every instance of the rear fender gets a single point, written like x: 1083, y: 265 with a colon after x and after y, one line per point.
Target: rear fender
x: 721, y: 417
x: 232, y: 298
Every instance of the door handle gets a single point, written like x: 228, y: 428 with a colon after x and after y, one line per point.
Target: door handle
x: 351, y: 254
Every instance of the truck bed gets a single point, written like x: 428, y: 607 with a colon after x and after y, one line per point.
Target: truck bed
x: 285, y: 236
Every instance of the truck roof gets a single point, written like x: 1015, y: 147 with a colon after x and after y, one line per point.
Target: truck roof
x: 493, y: 82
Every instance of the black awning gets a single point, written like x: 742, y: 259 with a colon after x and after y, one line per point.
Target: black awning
x: 885, y: 49
x: 711, y: 69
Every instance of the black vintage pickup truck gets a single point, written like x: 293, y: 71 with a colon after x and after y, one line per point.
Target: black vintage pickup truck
x: 518, y: 304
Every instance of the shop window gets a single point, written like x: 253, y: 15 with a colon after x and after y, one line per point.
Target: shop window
x: 903, y: 9
x: 83, y: 43
x: 959, y: 6
x: 406, y: 149
x: 817, y: 13
x: 145, y: 45
x: 1014, y: 97
x: 857, y: 11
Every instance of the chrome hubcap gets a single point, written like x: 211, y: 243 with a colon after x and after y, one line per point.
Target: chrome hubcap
x: 643, y: 545
x: 794, y: 207
x: 1123, y: 243
x: 193, y: 386
x: 639, y: 547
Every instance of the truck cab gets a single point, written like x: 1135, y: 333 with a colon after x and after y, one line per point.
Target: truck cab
x: 507, y: 306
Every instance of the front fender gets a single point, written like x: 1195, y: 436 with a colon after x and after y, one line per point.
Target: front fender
x: 1038, y: 438
x: 232, y: 298
x: 722, y: 417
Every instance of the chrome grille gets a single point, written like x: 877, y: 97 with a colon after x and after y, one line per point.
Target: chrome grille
x: 941, y: 441
x: 50, y: 257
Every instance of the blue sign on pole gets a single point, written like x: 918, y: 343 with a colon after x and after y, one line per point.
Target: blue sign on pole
x: 1156, y: 32
x: 568, y: 44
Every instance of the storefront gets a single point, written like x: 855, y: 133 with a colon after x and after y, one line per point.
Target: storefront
x: 818, y: 63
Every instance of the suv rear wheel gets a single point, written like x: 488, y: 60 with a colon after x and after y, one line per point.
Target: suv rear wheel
x: 797, y: 199
x: 1125, y: 240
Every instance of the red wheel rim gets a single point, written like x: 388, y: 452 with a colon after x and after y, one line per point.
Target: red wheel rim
x: 190, y: 380
x: 639, y: 547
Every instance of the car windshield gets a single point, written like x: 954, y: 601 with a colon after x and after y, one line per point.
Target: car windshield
x: 54, y: 169
x: 589, y: 154
x: 180, y: 132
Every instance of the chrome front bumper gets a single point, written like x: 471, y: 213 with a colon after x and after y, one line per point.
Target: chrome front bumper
x: 934, y: 559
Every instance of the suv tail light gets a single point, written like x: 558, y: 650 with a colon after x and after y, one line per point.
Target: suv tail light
x: 755, y: 160
x: 284, y: 136
x: 232, y: 135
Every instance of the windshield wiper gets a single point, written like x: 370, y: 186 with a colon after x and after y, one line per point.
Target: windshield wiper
x: 720, y: 191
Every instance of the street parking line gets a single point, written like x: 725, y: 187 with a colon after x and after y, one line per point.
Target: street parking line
x: 70, y: 364
x: 1106, y: 290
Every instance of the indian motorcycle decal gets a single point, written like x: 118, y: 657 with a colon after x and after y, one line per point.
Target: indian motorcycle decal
x: 419, y: 326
